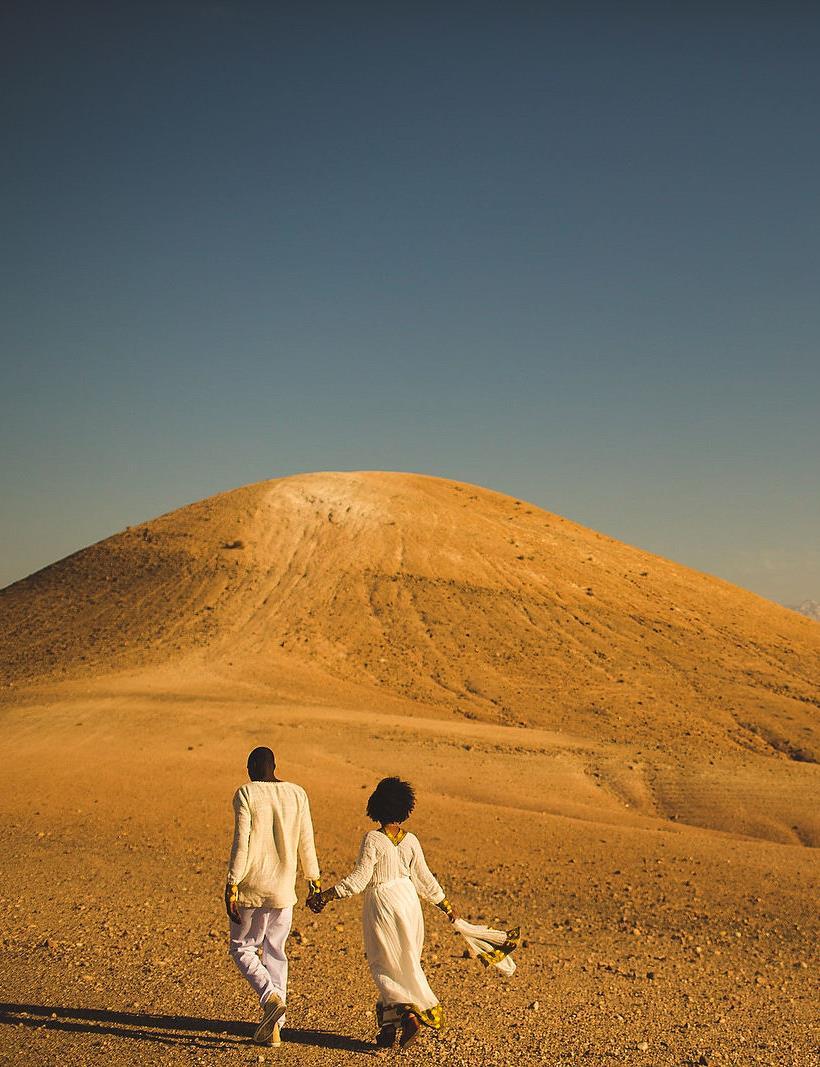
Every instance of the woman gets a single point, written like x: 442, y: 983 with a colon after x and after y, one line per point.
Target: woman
x: 392, y: 873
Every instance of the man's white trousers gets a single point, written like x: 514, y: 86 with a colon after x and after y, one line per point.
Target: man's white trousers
x: 266, y: 929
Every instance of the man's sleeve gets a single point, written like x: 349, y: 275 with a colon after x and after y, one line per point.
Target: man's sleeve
x: 307, y: 847
x: 241, y: 836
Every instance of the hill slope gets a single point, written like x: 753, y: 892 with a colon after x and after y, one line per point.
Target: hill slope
x: 429, y: 591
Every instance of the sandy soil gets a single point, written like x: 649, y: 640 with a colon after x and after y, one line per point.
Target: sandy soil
x: 649, y: 825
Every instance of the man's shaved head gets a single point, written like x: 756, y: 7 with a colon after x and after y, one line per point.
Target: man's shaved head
x: 261, y: 765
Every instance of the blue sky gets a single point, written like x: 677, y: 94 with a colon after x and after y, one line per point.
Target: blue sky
x: 567, y: 252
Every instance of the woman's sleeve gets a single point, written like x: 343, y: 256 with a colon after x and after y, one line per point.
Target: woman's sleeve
x: 422, y: 877
x: 361, y: 874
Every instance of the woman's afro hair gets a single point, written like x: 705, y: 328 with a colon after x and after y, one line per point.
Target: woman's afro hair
x: 391, y: 801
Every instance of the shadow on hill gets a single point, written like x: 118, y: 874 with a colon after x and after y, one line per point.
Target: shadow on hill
x: 175, y: 1030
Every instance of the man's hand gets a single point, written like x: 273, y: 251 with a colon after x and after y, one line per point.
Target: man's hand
x: 317, y: 901
x: 448, y: 909
x: 314, y: 892
x: 231, y: 898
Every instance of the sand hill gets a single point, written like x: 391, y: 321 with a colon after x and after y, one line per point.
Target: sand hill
x: 614, y: 750
x: 411, y: 593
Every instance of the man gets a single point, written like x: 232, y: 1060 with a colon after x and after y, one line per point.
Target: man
x: 272, y: 828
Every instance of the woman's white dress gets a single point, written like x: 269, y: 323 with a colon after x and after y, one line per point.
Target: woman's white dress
x: 392, y: 878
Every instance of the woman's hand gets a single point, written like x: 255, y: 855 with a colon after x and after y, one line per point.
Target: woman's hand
x: 448, y: 909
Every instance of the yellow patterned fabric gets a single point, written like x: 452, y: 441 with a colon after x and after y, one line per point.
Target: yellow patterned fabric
x: 393, y: 1013
x: 495, y: 955
x: 432, y: 1017
x: 398, y: 836
x: 492, y: 947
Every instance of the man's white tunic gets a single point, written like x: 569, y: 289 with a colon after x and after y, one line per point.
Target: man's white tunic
x: 272, y: 829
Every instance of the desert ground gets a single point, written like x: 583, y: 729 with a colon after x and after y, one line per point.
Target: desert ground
x: 614, y: 752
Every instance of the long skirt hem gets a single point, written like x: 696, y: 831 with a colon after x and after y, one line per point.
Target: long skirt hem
x: 393, y: 928
x: 394, y: 1013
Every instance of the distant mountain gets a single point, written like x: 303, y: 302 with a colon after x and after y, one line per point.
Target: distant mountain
x: 810, y: 608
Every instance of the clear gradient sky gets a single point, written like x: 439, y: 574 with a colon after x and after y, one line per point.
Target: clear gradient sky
x: 569, y: 252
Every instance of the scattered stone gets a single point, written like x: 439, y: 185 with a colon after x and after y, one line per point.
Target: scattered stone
x: 643, y: 1046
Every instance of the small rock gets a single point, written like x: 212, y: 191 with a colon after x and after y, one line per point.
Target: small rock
x: 535, y: 1006
x: 643, y: 1046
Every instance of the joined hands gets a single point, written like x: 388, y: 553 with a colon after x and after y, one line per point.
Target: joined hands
x: 318, y: 901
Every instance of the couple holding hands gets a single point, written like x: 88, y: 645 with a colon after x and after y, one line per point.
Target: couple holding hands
x: 272, y: 829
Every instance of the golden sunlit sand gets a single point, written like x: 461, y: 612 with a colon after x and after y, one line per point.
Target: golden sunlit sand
x: 611, y: 750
